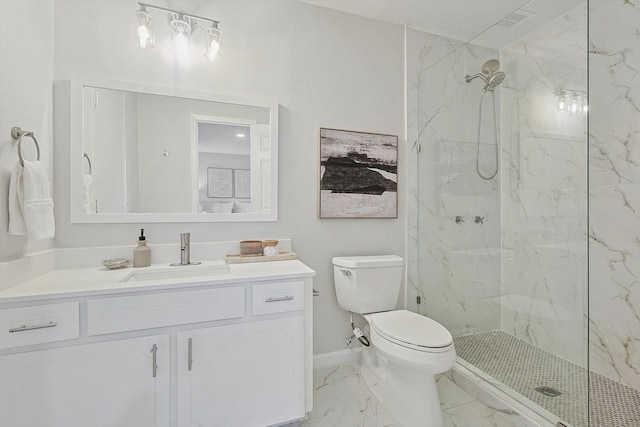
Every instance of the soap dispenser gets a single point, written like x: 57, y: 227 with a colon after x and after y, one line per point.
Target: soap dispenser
x: 142, y: 253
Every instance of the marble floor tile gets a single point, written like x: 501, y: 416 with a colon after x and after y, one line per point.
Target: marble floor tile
x: 341, y: 399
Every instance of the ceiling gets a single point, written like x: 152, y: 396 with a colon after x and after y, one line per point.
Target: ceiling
x: 463, y: 20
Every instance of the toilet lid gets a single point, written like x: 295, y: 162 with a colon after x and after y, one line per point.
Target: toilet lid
x: 411, y: 328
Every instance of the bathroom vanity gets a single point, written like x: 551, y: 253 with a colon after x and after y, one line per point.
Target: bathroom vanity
x: 202, y: 345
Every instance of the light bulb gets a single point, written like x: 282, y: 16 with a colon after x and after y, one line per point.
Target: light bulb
x: 143, y: 35
x: 180, y: 36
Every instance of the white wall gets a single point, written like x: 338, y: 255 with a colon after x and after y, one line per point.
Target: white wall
x: 26, y: 71
x: 325, y: 69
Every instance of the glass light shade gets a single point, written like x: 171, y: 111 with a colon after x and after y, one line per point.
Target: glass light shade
x: 143, y: 34
x: 574, y: 105
x: 180, y: 35
x: 212, y: 42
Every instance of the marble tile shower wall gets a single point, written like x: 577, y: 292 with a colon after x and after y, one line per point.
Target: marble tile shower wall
x: 544, y: 189
x: 614, y: 190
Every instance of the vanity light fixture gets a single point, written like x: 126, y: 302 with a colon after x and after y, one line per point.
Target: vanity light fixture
x: 182, y: 26
x: 572, y: 101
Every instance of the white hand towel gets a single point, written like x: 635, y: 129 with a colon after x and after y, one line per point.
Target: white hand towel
x: 17, y: 227
x: 32, y: 188
x: 87, y: 187
x: 89, y: 204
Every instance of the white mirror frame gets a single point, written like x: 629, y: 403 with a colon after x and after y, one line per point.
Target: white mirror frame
x: 76, y: 160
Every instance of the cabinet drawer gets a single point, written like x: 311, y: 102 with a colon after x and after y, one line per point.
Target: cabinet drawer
x: 39, y: 324
x: 130, y: 313
x: 277, y: 297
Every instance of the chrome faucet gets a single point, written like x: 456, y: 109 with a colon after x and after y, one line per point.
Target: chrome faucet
x: 185, y: 250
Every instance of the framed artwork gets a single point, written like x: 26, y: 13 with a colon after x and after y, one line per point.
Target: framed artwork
x: 242, y: 183
x: 358, y: 174
x: 219, y: 183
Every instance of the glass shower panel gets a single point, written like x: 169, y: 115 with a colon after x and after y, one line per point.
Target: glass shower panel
x: 458, y: 218
x: 502, y: 262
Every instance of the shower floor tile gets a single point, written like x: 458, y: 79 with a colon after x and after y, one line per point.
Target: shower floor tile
x: 341, y: 399
x: 524, y: 367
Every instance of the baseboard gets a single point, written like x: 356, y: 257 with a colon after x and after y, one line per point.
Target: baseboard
x: 337, y: 358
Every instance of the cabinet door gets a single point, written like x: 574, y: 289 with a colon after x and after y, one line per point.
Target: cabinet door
x: 248, y: 374
x: 108, y: 384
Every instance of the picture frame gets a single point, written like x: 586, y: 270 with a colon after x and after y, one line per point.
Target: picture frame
x: 219, y: 183
x: 358, y: 174
x: 242, y: 183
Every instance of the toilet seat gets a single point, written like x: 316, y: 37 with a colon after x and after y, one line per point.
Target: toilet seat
x: 412, y: 330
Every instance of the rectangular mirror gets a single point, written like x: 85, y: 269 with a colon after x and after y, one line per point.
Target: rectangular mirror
x: 152, y: 154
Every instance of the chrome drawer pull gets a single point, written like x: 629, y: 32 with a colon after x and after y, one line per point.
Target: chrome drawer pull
x: 31, y: 328
x: 276, y: 299
x: 154, y: 361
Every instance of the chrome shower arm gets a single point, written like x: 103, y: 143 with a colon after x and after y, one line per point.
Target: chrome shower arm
x: 468, y: 78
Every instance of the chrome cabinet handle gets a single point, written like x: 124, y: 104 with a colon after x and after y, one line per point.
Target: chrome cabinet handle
x: 276, y: 299
x: 154, y: 351
x: 190, y: 357
x: 32, y: 327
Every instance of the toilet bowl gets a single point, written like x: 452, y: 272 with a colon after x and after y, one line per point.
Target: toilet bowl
x: 400, y: 366
x: 407, y: 349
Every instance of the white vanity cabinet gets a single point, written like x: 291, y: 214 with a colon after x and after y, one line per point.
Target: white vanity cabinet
x: 104, y: 384
x: 235, y: 352
x: 243, y: 375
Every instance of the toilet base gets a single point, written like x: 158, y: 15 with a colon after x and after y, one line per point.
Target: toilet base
x: 410, y: 397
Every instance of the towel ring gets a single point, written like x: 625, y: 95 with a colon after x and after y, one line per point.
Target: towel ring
x: 17, y: 133
x: 86, y: 156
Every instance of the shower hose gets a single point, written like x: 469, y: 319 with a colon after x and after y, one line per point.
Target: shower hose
x: 495, y: 132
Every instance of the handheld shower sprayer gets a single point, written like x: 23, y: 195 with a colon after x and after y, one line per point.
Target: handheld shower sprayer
x: 492, y: 78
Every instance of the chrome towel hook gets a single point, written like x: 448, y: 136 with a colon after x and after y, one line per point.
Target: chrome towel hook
x: 18, y: 134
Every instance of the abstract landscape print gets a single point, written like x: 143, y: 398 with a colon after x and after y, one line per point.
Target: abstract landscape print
x: 358, y: 174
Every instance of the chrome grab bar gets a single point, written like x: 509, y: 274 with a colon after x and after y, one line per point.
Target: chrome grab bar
x: 32, y: 327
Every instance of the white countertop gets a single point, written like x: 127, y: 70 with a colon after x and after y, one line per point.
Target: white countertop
x: 91, y: 281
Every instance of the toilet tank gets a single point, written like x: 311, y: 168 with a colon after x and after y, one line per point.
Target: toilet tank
x: 367, y: 284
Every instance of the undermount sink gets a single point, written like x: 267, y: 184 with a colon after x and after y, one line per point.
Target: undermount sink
x: 179, y: 272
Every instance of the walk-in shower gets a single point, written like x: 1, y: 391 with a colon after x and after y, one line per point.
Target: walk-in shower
x: 492, y: 78
x: 501, y: 260
x: 501, y: 212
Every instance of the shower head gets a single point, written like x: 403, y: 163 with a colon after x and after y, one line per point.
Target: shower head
x: 490, y: 75
x: 490, y: 67
x: 494, y: 81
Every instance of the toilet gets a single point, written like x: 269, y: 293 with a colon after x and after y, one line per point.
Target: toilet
x: 407, y: 350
